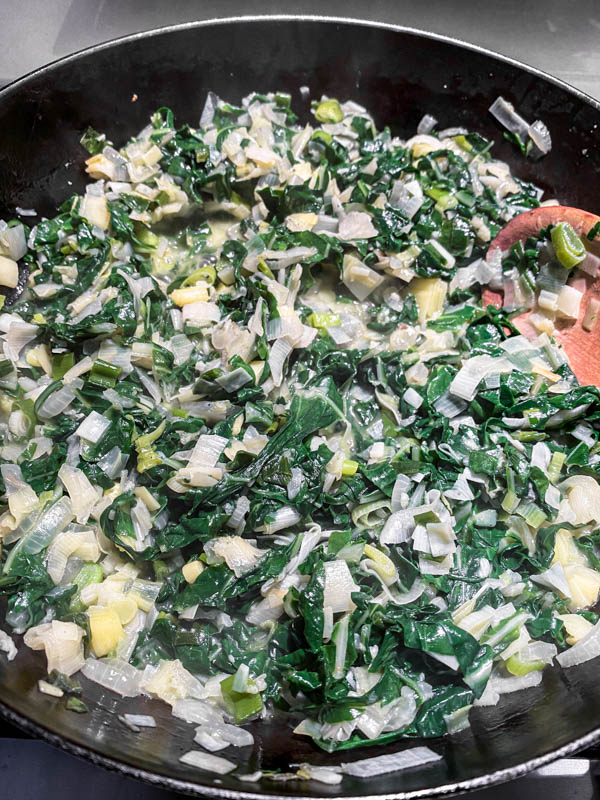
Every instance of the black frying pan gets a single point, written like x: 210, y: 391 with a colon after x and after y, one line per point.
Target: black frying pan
x: 399, y: 75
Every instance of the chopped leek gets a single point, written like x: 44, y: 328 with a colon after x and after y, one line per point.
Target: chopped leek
x: 568, y: 247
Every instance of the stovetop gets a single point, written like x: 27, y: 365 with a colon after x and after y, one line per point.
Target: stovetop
x: 30, y: 769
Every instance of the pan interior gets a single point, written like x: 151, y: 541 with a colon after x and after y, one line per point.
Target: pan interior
x: 399, y: 75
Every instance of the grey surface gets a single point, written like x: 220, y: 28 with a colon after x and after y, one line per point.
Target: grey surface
x: 559, y: 36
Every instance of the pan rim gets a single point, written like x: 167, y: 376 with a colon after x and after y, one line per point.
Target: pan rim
x: 194, y: 788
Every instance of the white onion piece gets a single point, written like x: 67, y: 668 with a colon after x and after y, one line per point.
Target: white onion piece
x: 82, y: 544
x: 415, y: 591
x: 113, y: 354
x: 209, y: 740
x: 590, y: 264
x: 199, y: 712
x: 540, y: 136
x: 234, y: 380
x: 201, y: 313
x: 285, y: 517
x: 426, y: 124
x: 280, y: 350
x: 78, y: 369
x: 360, y: 279
x: 19, y: 334
x: 506, y: 115
x: 583, y: 494
x: 207, y: 762
x: 402, y: 486
x: 413, y: 398
x: 7, y: 646
x: 473, y: 371
x: 62, y: 642
x: 150, y: 386
x: 141, y: 720
x: 82, y: 493
x: 116, y: 675
x: 12, y: 242
x: 239, y: 554
x: 497, y: 686
x: 585, y: 649
x: 398, y: 528
x: 49, y: 524
x: 356, y: 225
x: 113, y: 462
x: 339, y: 585
x: 207, y: 450
x: 208, y: 112
x: 242, y: 507
x: 93, y: 427
x: 181, y: 347
x: 392, y: 762
x: 285, y: 258
x: 295, y: 483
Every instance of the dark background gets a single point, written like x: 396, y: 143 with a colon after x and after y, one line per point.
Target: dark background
x: 559, y: 36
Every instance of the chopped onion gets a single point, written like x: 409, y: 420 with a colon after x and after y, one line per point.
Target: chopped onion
x: 150, y: 386
x: 339, y: 585
x: 116, y: 675
x: 112, y: 353
x: 413, y: 398
x: 451, y: 406
x: 401, y: 487
x: 391, y: 762
x: 285, y: 517
x: 82, y: 493
x: 78, y: 369
x: 497, y: 686
x: 356, y: 225
x: 506, y: 115
x: 93, y: 427
x: 239, y: 554
x: 234, y: 380
x: 113, y: 463
x: 201, y: 313
x: 280, y: 350
x: 181, y: 347
x: 569, y: 301
x: 295, y: 483
x: 12, y: 242
x: 49, y: 524
x: 207, y: 450
x: 207, y: 762
x: 540, y: 136
x: 242, y: 507
x: 398, y: 528
x: 62, y: 642
x: 585, y: 649
x: 426, y: 124
x: 360, y: 279
x: 7, y: 646
x: 82, y: 544
x: 285, y: 258
x: 19, y: 334
x: 140, y: 720
x: 208, y: 112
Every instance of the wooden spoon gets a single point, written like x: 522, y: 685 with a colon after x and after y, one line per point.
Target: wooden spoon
x: 582, y: 347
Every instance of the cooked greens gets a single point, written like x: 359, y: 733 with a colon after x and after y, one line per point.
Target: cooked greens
x: 264, y: 450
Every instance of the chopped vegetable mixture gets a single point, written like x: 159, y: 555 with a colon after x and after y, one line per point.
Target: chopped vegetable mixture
x: 264, y: 451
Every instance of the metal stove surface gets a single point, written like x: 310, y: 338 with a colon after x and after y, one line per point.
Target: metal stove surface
x: 33, y: 770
